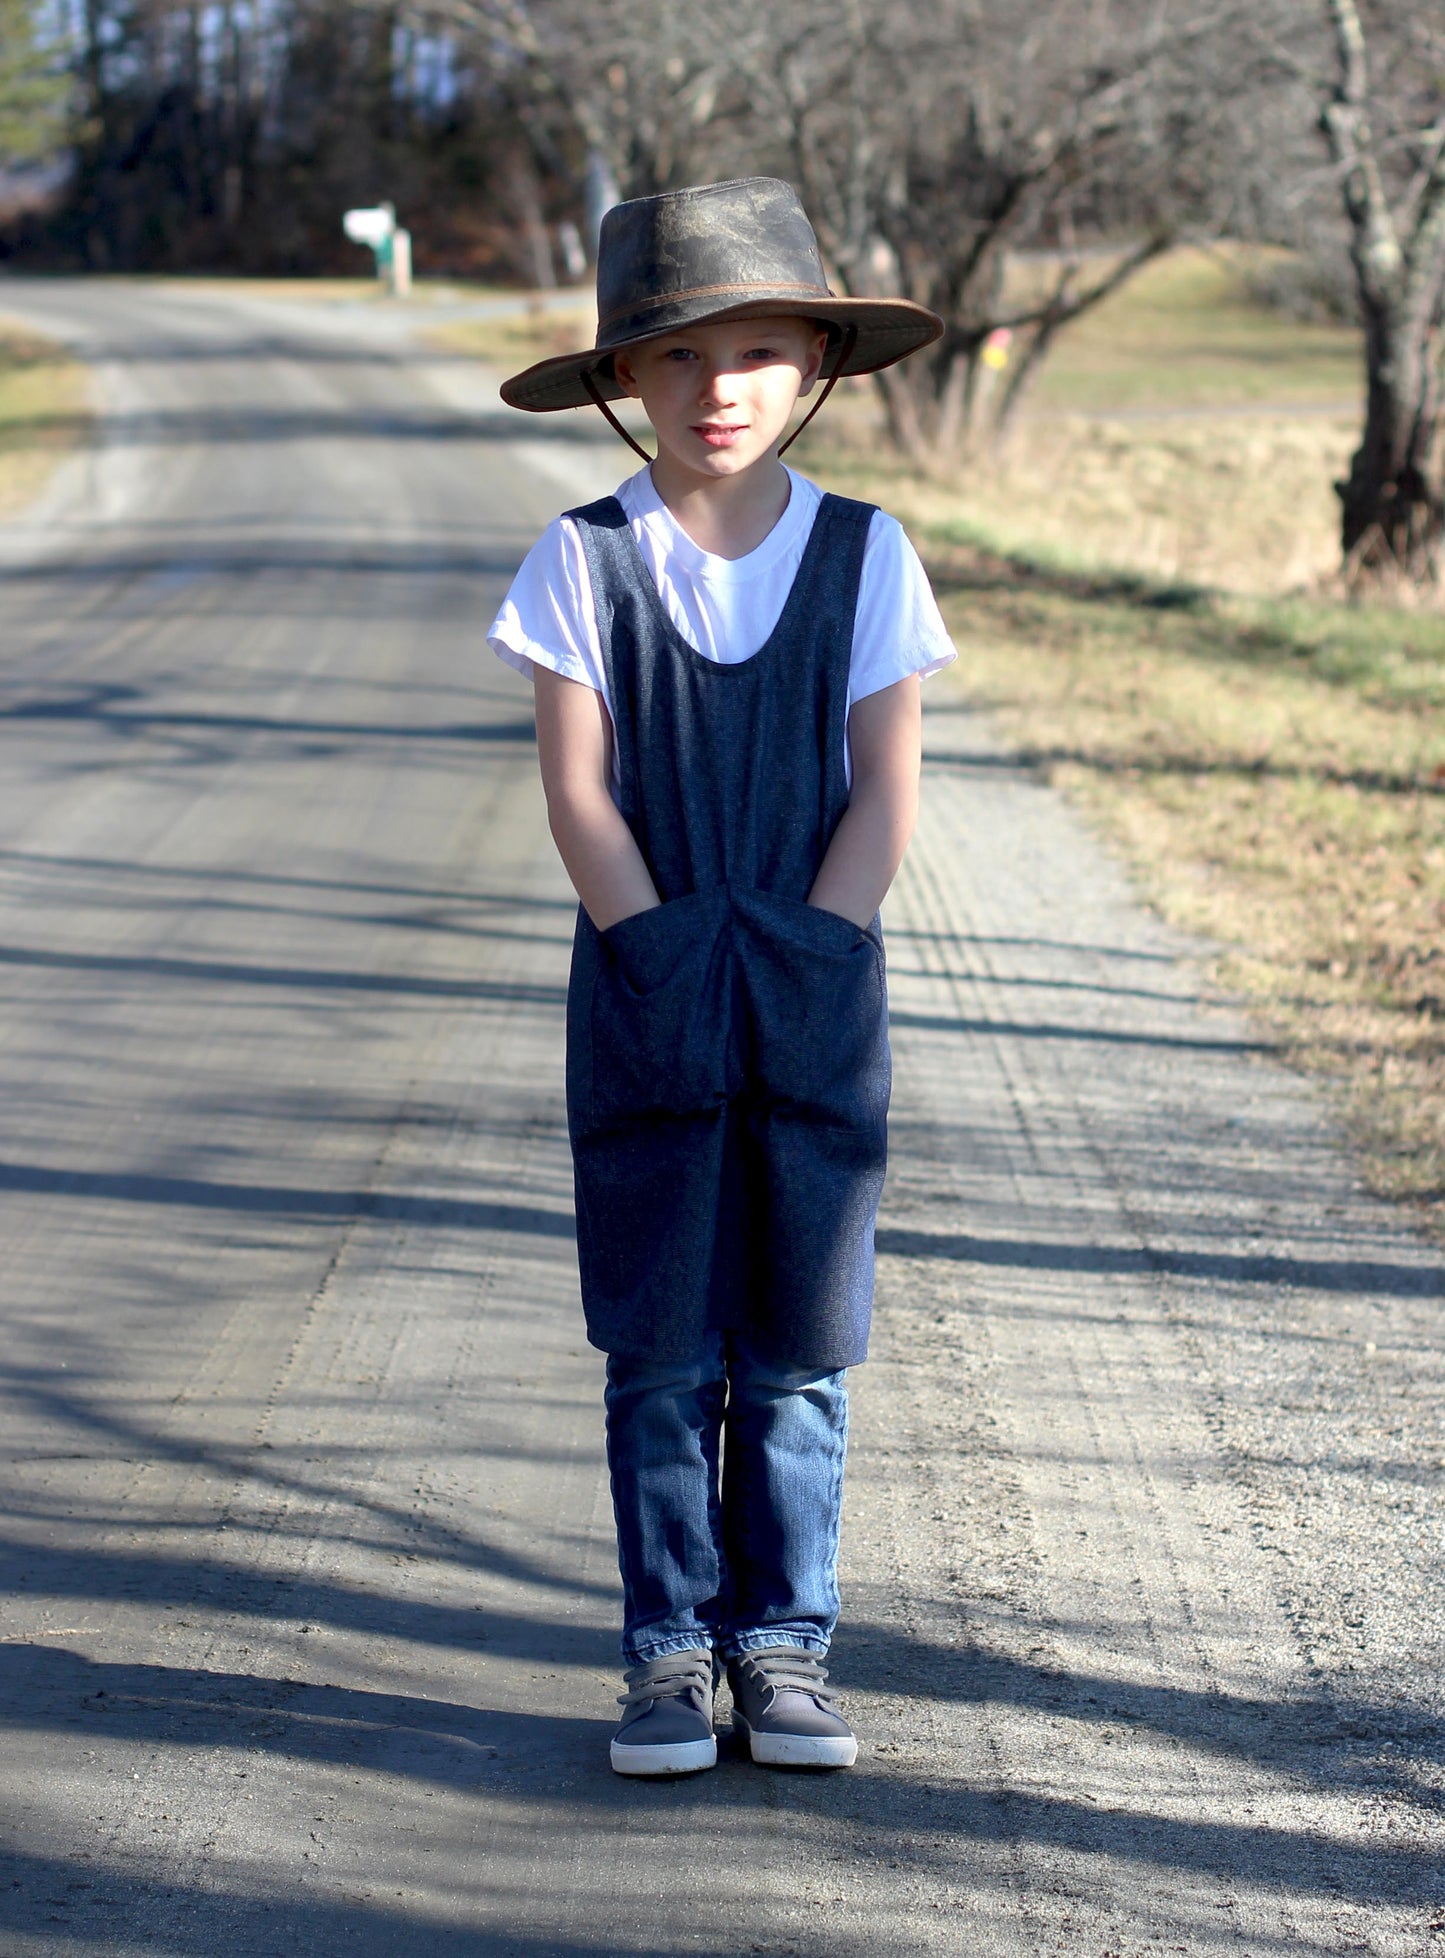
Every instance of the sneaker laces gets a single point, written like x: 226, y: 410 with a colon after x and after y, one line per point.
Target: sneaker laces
x: 673, y: 1676
x: 788, y: 1669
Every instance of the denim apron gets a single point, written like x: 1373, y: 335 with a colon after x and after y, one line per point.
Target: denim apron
x: 727, y: 1052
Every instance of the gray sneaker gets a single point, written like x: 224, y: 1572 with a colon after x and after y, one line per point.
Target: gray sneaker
x: 783, y: 1704
x: 667, y: 1717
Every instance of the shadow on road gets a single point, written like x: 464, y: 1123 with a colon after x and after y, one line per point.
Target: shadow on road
x: 228, y: 972
x: 204, y: 877
x: 172, y: 573
x: 1043, y: 1030
x: 205, y: 427
x: 49, y: 1899
x: 1364, y: 1276
x: 117, y: 710
x: 521, y: 1761
x: 287, y: 1199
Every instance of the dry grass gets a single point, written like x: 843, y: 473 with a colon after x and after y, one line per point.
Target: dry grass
x: 1241, y: 502
x: 314, y: 292
x: 333, y: 292
x: 1187, y: 334
x: 44, y: 412
x: 513, y: 341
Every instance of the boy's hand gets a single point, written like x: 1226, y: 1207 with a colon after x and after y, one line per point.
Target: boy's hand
x: 574, y: 746
x: 885, y: 738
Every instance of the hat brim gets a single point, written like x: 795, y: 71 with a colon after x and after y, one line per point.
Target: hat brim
x: 888, y: 330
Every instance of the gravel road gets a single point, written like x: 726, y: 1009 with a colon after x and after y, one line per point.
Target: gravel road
x: 309, y: 1602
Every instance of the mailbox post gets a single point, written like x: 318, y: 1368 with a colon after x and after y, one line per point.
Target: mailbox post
x: 401, y: 263
x: 375, y: 225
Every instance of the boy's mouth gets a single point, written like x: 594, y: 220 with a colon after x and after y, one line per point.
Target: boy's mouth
x: 718, y: 435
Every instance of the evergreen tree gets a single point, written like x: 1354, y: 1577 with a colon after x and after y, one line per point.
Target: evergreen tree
x: 34, y: 87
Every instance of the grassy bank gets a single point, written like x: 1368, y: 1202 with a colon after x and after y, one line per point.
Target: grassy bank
x: 44, y: 412
x: 1275, y: 773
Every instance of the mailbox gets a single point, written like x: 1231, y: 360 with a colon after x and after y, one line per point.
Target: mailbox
x: 371, y: 225
x: 375, y: 225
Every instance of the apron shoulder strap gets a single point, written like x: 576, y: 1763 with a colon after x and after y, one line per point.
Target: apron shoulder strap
x: 605, y: 514
x: 826, y: 587
x: 612, y: 563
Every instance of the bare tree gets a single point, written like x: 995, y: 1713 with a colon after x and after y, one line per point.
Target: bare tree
x: 932, y: 140
x: 1090, y: 132
x: 636, y: 84
x: 1388, y: 147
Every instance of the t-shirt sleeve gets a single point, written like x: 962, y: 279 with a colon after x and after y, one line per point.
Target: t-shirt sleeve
x: 898, y: 628
x: 547, y: 617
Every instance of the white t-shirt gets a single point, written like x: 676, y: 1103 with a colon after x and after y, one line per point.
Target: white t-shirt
x: 724, y: 607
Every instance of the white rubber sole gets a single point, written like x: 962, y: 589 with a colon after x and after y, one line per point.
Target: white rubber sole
x: 682, y: 1757
x: 798, y: 1750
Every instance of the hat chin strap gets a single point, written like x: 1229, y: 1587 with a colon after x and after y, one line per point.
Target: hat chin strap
x: 597, y: 402
x: 845, y: 353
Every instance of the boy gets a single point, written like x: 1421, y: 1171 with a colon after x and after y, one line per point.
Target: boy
x: 726, y: 666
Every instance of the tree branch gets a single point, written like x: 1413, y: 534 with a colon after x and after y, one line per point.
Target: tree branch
x: 1065, y: 305
x: 1344, y: 121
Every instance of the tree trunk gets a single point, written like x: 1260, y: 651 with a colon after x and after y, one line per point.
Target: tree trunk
x: 525, y: 196
x: 1393, y: 515
x: 955, y: 399
x: 900, y: 407
x: 929, y: 402
x: 934, y: 403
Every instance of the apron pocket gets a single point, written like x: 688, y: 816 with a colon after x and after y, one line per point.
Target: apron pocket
x: 658, y: 1012
x: 820, y: 1021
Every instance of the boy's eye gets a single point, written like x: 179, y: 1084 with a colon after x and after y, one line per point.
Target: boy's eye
x: 751, y: 354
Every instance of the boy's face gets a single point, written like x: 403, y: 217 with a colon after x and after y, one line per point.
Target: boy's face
x: 719, y: 396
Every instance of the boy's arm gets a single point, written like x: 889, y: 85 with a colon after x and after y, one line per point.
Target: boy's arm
x: 574, y: 745
x: 885, y: 740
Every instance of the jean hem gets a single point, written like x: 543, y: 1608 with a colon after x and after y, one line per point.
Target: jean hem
x: 737, y: 1643
x: 664, y: 1648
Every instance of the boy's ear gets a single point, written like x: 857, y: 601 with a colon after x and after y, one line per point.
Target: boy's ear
x: 626, y: 379
x: 814, y: 366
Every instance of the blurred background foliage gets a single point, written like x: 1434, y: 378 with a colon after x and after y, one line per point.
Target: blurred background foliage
x: 35, y: 90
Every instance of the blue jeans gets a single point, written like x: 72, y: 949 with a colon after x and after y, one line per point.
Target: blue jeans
x: 741, y: 1561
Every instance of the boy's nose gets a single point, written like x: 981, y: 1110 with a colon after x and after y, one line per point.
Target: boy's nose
x: 719, y: 387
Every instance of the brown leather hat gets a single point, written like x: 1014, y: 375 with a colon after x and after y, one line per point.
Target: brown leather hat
x: 731, y: 251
